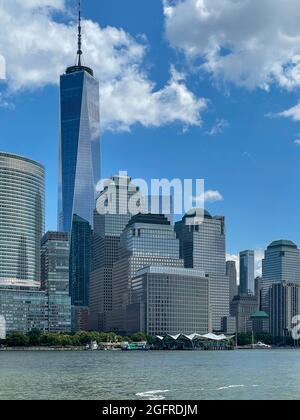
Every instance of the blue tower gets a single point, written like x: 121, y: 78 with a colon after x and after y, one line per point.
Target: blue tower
x: 79, y: 142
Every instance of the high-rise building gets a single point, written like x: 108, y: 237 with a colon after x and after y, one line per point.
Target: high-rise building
x: 79, y: 144
x: 247, y: 264
x: 80, y: 261
x: 55, y: 253
x: 284, y: 305
x: 106, y: 240
x: 281, y: 262
x: 147, y: 240
x: 202, y: 246
x: 231, y: 273
x: 22, y: 197
x: 169, y: 300
x: 242, y: 308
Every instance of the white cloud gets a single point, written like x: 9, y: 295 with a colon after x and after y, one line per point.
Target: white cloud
x: 291, y: 113
x: 250, y: 43
x: 2, y: 68
x: 210, y: 196
x: 297, y: 142
x: 218, y: 128
x: 38, y: 48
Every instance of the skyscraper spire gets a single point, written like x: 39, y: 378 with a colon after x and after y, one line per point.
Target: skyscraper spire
x: 79, y: 51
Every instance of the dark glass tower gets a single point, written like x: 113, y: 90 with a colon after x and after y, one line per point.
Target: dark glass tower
x: 79, y: 145
x: 80, y: 261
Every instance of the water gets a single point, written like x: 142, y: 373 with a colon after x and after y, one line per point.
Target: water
x: 101, y: 375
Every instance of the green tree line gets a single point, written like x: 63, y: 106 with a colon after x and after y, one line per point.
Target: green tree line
x: 36, y: 338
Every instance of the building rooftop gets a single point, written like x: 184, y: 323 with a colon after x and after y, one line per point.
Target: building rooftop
x: 190, y: 272
x: 23, y: 158
x: 281, y: 243
x: 151, y: 219
x: 260, y: 315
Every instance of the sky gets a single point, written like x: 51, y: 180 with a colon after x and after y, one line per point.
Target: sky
x: 189, y: 89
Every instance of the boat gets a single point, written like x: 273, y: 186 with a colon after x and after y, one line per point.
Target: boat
x: 261, y: 345
x: 92, y: 346
x: 142, y: 346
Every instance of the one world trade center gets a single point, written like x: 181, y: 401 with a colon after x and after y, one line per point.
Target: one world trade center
x: 79, y: 143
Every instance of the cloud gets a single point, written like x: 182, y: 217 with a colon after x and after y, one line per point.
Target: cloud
x: 38, y: 45
x: 297, y: 142
x: 249, y: 43
x: 218, y: 128
x: 2, y: 68
x: 210, y: 196
x: 291, y: 113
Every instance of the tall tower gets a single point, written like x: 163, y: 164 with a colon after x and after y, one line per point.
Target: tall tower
x: 247, y: 269
x: 79, y: 142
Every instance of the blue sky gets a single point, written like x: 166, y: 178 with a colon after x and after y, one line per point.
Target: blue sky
x: 252, y: 159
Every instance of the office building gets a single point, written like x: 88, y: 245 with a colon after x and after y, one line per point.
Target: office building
x: 242, y: 307
x: 79, y: 143
x: 166, y: 300
x: 106, y: 241
x: 147, y: 240
x: 55, y: 252
x: 284, y: 305
x: 231, y: 273
x: 202, y: 247
x: 24, y: 306
x: 281, y: 264
x: 80, y: 265
x: 22, y: 197
x: 247, y: 264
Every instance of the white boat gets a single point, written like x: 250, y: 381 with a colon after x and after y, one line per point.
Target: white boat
x: 261, y: 345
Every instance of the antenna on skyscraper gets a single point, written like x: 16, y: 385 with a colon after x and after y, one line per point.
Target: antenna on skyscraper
x: 79, y: 51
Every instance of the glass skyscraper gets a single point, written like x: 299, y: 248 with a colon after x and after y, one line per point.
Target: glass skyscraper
x: 22, y: 197
x: 247, y: 262
x: 79, y: 144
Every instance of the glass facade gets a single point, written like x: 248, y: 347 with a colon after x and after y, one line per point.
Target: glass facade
x: 80, y: 261
x: 79, y: 147
x: 169, y: 300
x: 55, y: 252
x: 22, y: 199
x: 202, y: 246
x: 147, y: 240
x: 106, y: 242
x: 247, y: 275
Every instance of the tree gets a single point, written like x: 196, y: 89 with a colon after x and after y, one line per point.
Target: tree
x: 17, y: 340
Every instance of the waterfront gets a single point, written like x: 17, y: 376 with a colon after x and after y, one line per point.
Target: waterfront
x: 271, y: 374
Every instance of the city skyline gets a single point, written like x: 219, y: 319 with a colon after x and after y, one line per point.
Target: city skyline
x: 248, y: 157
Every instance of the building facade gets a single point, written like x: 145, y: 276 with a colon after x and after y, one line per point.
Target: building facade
x: 147, y: 240
x: 106, y: 244
x: 22, y: 197
x: 284, y: 305
x: 231, y: 273
x: 167, y: 300
x: 242, y: 308
x: 203, y: 247
x: 247, y: 263
x: 79, y: 143
x: 55, y: 253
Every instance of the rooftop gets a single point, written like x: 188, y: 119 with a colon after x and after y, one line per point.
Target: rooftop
x: 282, y: 243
